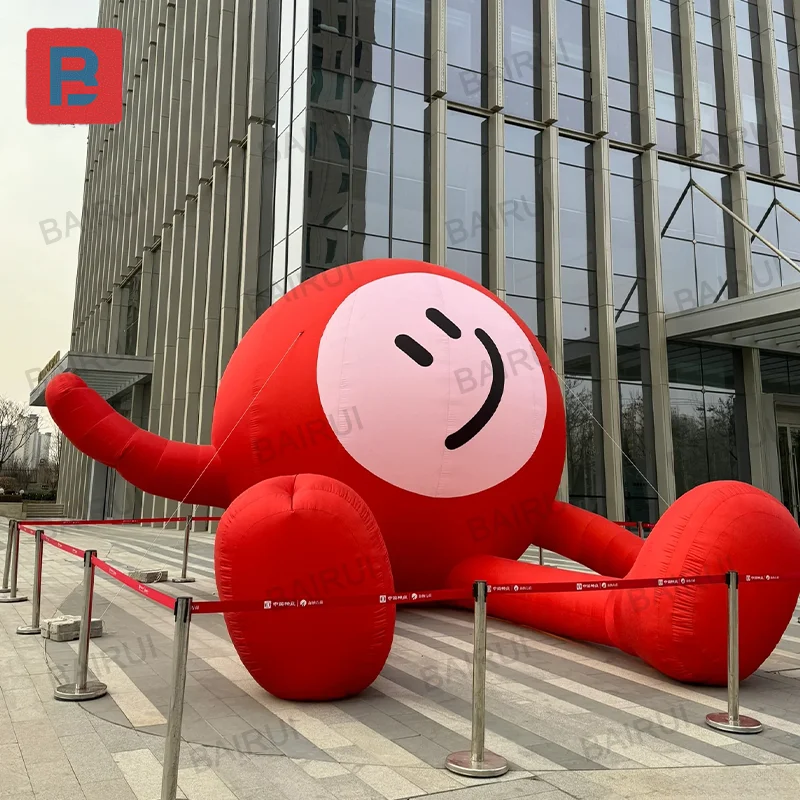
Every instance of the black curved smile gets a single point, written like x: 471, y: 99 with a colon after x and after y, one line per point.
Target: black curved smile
x: 415, y: 351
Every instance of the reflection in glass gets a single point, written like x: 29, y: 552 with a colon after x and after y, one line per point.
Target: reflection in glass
x: 524, y: 263
x: 466, y: 54
x: 668, y: 76
x: 623, y: 72
x: 751, y: 88
x: 410, y: 171
x: 522, y: 59
x: 467, y: 209
x: 584, y: 444
x: 709, y: 421
x: 769, y: 216
x: 711, y: 82
x: 697, y: 258
x: 574, y: 66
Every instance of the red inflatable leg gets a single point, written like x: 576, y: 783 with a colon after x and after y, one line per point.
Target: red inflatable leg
x: 590, y: 540
x: 682, y: 632
x: 306, y: 537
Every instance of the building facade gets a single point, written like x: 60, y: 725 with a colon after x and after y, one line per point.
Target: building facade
x: 623, y: 173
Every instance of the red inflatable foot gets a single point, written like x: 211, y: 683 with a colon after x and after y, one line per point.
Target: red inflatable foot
x: 306, y: 536
x: 682, y: 632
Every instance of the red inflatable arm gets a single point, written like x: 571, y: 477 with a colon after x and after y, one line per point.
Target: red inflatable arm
x: 185, y: 472
x: 714, y: 528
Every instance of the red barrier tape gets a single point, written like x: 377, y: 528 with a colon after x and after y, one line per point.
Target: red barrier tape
x: 26, y: 529
x: 67, y: 548
x: 403, y: 598
x: 646, y: 526
x: 221, y: 607
x: 770, y: 578
x: 143, y: 521
x: 151, y: 594
x: 590, y: 585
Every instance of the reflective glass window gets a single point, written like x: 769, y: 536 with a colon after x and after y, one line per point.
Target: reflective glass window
x: 697, y: 260
x: 523, y: 221
x: 623, y: 71
x: 773, y: 212
x: 522, y: 59
x: 580, y: 324
x: 711, y: 81
x: 574, y: 66
x: 751, y: 88
x: 467, y: 208
x: 709, y: 421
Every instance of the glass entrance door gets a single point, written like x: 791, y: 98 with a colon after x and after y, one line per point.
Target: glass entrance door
x: 789, y: 450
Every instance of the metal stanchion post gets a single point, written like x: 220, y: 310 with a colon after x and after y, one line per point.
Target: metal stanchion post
x: 35, y: 627
x: 13, y: 554
x: 640, y: 530
x: 84, y: 689
x: 172, y: 744
x: 541, y: 557
x: 478, y: 762
x: 733, y: 722
x: 7, y: 567
x: 183, y: 578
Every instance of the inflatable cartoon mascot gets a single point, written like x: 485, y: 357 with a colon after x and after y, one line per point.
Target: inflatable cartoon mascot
x: 391, y: 425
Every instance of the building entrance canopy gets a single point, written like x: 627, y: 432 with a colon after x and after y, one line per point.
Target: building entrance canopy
x: 108, y: 375
x: 766, y: 320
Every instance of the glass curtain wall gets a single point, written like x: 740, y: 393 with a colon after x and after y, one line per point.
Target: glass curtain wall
x: 467, y: 221
x: 711, y: 80
x: 697, y: 255
x: 751, y: 87
x: 780, y: 374
x: 709, y: 421
x: 522, y: 209
x: 668, y: 76
x: 352, y: 157
x: 129, y: 320
x: 633, y: 353
x: 783, y: 20
x: 574, y: 66
x: 580, y: 319
x: 466, y: 53
x: 771, y: 209
x: 623, y: 71
x: 522, y: 62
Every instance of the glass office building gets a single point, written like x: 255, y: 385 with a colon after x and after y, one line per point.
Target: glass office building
x: 623, y: 173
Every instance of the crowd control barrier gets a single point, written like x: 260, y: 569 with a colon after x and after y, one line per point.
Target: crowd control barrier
x: 477, y: 762
x: 11, y: 568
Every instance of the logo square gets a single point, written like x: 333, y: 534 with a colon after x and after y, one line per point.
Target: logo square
x: 74, y: 76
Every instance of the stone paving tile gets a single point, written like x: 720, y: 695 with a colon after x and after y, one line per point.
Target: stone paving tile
x: 142, y: 772
x: 13, y: 774
x: 543, y: 709
x: 108, y: 790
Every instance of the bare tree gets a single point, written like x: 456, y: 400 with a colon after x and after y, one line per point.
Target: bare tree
x: 15, y: 430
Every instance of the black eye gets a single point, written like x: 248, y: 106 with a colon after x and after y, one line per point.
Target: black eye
x: 441, y: 321
x: 414, y: 350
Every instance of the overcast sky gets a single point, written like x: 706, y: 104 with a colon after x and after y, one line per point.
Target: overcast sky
x: 43, y: 170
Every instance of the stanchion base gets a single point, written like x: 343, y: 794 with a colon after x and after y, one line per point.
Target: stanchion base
x: 181, y: 580
x: 28, y: 630
x: 17, y: 599
x: 70, y: 691
x: 462, y: 764
x: 722, y: 722
x: 4, y: 591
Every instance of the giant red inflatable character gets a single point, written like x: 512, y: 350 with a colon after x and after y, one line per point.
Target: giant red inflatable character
x: 393, y: 425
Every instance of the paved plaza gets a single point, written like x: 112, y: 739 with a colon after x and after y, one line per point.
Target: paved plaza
x: 574, y: 720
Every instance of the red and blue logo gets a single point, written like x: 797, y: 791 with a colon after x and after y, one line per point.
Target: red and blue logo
x: 74, y: 76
